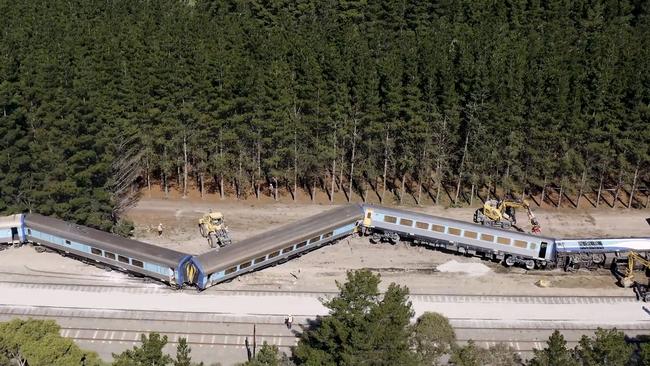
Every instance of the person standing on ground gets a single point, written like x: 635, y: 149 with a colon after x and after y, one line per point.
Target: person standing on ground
x: 289, y: 321
x: 160, y: 229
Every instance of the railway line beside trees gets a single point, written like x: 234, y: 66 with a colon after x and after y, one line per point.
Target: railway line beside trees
x: 386, y: 101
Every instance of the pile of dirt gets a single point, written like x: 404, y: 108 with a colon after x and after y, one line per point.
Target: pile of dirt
x: 471, y: 269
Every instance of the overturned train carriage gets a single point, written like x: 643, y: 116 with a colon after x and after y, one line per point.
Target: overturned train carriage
x: 277, y: 245
x: 109, y: 250
x: 512, y: 248
x: 589, y: 253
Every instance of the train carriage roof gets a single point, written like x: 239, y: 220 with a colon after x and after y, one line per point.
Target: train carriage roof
x: 279, y: 238
x: 103, y: 240
x: 10, y: 221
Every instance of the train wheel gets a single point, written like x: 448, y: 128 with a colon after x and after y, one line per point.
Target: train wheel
x: 39, y: 249
x: 530, y: 264
x: 375, y: 238
x: 598, y: 258
x: 510, y: 261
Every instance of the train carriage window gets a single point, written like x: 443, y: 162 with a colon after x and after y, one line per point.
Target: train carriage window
x: 406, y: 222
x: 29, y: 231
x: 328, y: 235
x: 245, y: 265
x: 470, y: 234
x: 301, y: 245
x: 231, y: 270
x: 487, y: 237
x: 95, y: 251
x: 287, y: 249
x: 122, y: 259
x: 274, y: 254
x: 259, y: 260
x: 369, y: 215
x: 109, y: 255
x: 521, y: 244
x: 438, y: 228
x: 137, y: 263
x: 502, y: 240
x: 313, y: 240
x: 421, y: 225
x: 68, y: 242
x: 390, y: 219
x: 454, y: 231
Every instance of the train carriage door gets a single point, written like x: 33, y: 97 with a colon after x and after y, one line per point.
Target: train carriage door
x: 14, y: 235
x: 367, y: 219
x: 542, y: 249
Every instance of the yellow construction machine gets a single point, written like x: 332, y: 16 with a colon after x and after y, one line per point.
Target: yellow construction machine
x: 213, y: 227
x: 502, y: 214
x: 628, y: 280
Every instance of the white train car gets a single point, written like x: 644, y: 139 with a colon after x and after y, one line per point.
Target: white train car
x: 389, y: 224
x: 12, y: 229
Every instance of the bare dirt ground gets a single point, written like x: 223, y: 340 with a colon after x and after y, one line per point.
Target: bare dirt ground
x: 415, y: 267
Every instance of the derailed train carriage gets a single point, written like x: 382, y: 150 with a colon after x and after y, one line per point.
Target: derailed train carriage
x: 103, y: 249
x: 511, y: 248
x: 278, y: 245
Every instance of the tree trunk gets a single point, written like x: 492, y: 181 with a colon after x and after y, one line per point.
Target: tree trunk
x: 148, y: 178
x: 582, y: 186
x: 334, y: 166
x: 636, y: 175
x: 275, y: 188
x: 401, y: 192
x: 354, y: 146
x: 471, y: 196
x: 541, y: 202
x: 439, y: 183
x: 221, y: 192
x: 600, y: 189
x: 259, y: 169
x: 559, y: 199
x: 618, y: 188
x: 164, y: 179
x: 202, y: 184
x: 184, y: 166
x: 313, y: 190
x: 295, y: 165
x: 383, y: 192
x: 460, y: 169
x: 647, y: 199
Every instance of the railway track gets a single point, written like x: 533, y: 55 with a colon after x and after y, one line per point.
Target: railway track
x: 428, y: 297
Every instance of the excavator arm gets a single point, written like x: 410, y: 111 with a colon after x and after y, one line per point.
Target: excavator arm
x: 505, y: 204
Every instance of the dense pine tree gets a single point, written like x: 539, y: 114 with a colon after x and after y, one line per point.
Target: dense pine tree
x: 392, y: 101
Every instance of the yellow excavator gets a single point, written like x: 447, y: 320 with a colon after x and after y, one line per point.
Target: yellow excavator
x: 213, y: 227
x: 628, y: 279
x: 502, y: 214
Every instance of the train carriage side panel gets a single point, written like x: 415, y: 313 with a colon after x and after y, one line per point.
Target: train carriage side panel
x: 432, y: 229
x: 109, y: 249
x: 279, y: 244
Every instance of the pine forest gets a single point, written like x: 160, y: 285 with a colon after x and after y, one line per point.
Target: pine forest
x: 398, y: 101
